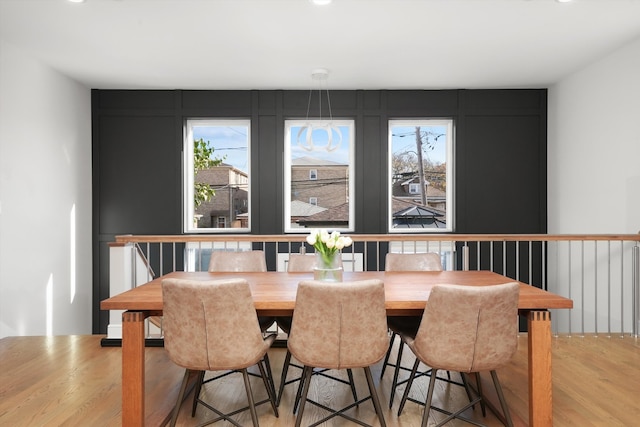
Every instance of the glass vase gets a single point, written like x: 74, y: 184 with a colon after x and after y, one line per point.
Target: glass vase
x: 328, y: 268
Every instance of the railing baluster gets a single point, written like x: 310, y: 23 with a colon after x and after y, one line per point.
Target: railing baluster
x: 582, y: 286
x: 570, y: 285
x: 530, y: 263
x: 609, y: 287
x: 517, y: 260
x: 595, y: 287
x: 635, y: 279
x: 160, y: 253
x: 622, y: 287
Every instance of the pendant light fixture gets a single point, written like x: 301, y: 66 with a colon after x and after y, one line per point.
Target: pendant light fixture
x: 313, y: 128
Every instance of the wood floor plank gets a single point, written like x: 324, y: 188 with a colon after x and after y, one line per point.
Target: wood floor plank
x: 73, y: 381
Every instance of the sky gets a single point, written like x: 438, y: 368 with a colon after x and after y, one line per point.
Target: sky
x: 232, y: 141
x: 404, y: 139
x: 229, y: 141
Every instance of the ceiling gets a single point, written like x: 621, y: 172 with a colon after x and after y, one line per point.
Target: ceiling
x: 275, y: 44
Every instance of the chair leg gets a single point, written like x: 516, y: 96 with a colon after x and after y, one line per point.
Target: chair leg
x: 267, y: 366
x: 270, y: 390
x: 296, y: 403
x: 409, y: 383
x: 427, y: 407
x: 396, y: 370
x: 252, y: 406
x: 467, y: 389
x: 283, y: 377
x: 306, y: 380
x: 374, y: 396
x: 196, y: 392
x: 503, y: 402
x: 183, y: 387
x: 386, y: 357
x: 352, y: 384
x: 479, y: 385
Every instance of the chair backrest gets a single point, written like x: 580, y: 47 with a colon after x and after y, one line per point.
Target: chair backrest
x: 211, y: 325
x: 237, y: 261
x: 469, y: 328
x: 339, y: 325
x: 413, y: 262
x: 301, y: 262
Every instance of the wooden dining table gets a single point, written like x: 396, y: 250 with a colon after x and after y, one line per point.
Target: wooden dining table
x: 274, y: 294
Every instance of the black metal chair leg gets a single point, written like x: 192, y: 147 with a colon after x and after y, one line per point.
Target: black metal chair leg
x: 283, y: 377
x: 503, y: 402
x: 306, y: 380
x: 352, y: 384
x: 374, y: 396
x: 386, y: 357
x: 409, y: 383
x: 183, y: 387
x: 252, y: 406
x: 427, y: 407
x: 479, y: 385
x: 395, y: 373
x: 270, y: 389
x: 196, y: 392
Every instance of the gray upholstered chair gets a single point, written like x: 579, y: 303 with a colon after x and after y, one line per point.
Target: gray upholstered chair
x: 238, y: 261
x: 466, y: 329
x: 352, y: 334
x: 303, y: 263
x: 407, y: 325
x: 241, y: 262
x: 212, y: 326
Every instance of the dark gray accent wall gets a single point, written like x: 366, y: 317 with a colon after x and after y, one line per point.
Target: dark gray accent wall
x: 500, y: 158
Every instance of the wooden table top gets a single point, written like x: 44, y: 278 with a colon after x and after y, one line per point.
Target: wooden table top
x: 274, y: 293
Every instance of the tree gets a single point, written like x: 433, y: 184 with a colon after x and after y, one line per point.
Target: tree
x: 203, y: 159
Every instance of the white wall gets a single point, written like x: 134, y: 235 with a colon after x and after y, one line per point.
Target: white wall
x: 594, y: 147
x: 45, y: 199
x: 594, y: 188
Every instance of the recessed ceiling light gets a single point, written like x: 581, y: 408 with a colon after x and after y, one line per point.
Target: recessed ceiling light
x: 76, y: 1
x: 320, y: 2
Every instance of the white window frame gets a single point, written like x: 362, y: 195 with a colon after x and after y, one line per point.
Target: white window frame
x: 313, y: 201
x: 313, y: 174
x: 188, y: 171
x: 414, y: 188
x: 448, y: 124
x: 348, y: 126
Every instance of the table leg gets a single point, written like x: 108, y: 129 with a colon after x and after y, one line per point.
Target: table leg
x: 540, y: 384
x: 133, y: 368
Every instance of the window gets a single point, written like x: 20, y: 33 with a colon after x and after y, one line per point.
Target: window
x: 216, y: 175
x: 313, y: 201
x: 324, y: 149
x: 421, y: 175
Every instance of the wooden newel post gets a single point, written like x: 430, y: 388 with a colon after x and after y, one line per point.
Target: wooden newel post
x: 540, y: 386
x: 133, y: 368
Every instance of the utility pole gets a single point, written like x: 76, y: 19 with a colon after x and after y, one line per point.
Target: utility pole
x: 423, y: 187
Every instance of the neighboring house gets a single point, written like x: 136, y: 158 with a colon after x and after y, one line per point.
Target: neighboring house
x: 301, y: 210
x: 408, y: 188
x: 336, y: 217
x: 407, y: 214
x: 319, y: 182
x: 230, y: 206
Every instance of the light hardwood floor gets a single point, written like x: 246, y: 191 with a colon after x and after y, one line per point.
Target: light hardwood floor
x: 73, y: 381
